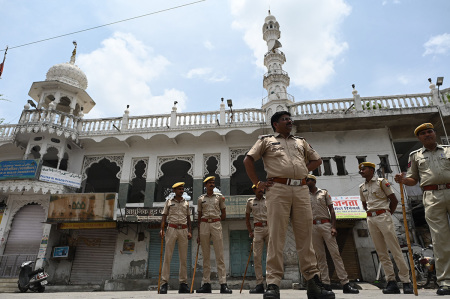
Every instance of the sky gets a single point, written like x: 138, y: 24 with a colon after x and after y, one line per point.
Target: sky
x: 199, y: 53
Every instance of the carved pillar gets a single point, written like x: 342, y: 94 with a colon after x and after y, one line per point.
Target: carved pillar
x: 173, y: 116
x: 357, y: 100
x: 222, y: 112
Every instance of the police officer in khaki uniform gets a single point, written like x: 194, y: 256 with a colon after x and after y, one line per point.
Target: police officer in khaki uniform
x: 176, y: 212
x: 260, y: 234
x: 431, y: 166
x: 380, y: 202
x: 287, y: 161
x: 211, y: 210
x: 324, y: 230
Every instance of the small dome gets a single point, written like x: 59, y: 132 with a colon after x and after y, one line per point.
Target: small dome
x: 68, y: 73
x: 270, y: 18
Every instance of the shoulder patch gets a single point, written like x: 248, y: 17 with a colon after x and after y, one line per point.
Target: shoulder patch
x: 265, y: 136
x: 361, y: 185
x: 413, y: 152
x: 409, y: 164
x: 250, y: 199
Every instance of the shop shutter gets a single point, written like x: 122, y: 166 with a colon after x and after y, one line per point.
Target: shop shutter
x: 94, y: 256
x: 26, y: 231
x: 23, y: 240
x: 154, y: 257
x: 348, y: 253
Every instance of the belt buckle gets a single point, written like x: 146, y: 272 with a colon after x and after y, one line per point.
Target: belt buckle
x: 442, y: 186
x: 264, y: 223
x: 318, y: 221
x: 209, y: 220
x: 180, y: 226
x: 373, y: 214
x: 295, y: 182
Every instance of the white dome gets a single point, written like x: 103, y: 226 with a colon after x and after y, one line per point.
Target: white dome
x: 270, y: 18
x: 68, y: 73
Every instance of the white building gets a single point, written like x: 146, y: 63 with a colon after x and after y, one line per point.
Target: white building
x: 140, y: 157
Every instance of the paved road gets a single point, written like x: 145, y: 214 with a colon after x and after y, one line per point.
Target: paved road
x: 215, y: 295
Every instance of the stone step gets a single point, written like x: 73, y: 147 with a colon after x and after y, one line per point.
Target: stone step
x: 9, y: 289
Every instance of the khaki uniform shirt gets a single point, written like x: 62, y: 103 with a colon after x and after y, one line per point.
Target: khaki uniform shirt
x: 284, y: 157
x: 258, y: 208
x: 430, y: 167
x: 319, y: 204
x: 375, y: 193
x: 211, y: 206
x: 176, y: 211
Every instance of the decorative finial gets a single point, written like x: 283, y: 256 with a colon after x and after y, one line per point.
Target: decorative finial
x: 269, y: 11
x: 74, y: 53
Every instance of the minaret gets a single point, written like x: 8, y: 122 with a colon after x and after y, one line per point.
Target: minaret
x: 275, y: 80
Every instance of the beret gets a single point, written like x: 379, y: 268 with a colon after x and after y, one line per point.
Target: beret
x: 310, y: 176
x: 209, y: 178
x: 367, y: 164
x: 177, y: 185
x: 423, y: 127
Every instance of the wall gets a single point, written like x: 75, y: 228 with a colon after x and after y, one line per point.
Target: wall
x: 131, y: 265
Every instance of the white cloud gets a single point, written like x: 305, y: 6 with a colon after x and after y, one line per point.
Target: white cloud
x: 208, y: 45
x: 205, y: 73
x: 198, y: 72
x: 439, y: 44
x: 311, y: 41
x: 119, y: 74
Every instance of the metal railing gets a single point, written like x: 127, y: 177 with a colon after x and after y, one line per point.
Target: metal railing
x: 10, y: 263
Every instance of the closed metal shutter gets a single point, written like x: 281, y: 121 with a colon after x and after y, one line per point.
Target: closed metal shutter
x: 26, y: 231
x: 154, y: 257
x: 348, y: 253
x: 23, y: 240
x: 94, y: 256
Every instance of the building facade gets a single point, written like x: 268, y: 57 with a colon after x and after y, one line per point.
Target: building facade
x: 138, y: 158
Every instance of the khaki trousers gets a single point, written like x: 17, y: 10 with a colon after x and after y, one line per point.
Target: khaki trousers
x: 322, y: 233
x: 383, y: 235
x: 261, y: 237
x: 437, y: 210
x: 284, y: 202
x: 208, y: 232
x: 173, y: 235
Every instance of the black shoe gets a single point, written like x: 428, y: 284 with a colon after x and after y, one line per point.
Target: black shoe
x: 391, y: 288
x: 348, y: 289
x: 206, y: 288
x: 443, y: 290
x: 163, y: 289
x: 327, y: 286
x: 316, y: 290
x: 259, y: 289
x: 407, y: 288
x: 273, y: 292
x: 224, y: 289
x: 183, y: 289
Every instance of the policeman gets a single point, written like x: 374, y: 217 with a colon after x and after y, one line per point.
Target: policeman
x: 380, y: 202
x: 176, y: 212
x: 324, y: 230
x: 287, y: 161
x: 260, y: 235
x: 431, y: 166
x: 211, y: 210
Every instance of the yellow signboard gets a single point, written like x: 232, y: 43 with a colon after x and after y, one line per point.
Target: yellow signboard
x: 348, y: 207
x: 82, y: 207
x: 87, y: 225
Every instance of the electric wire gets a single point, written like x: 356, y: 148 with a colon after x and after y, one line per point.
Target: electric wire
x: 104, y: 25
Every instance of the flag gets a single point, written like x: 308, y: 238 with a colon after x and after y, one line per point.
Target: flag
x: 3, y: 63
